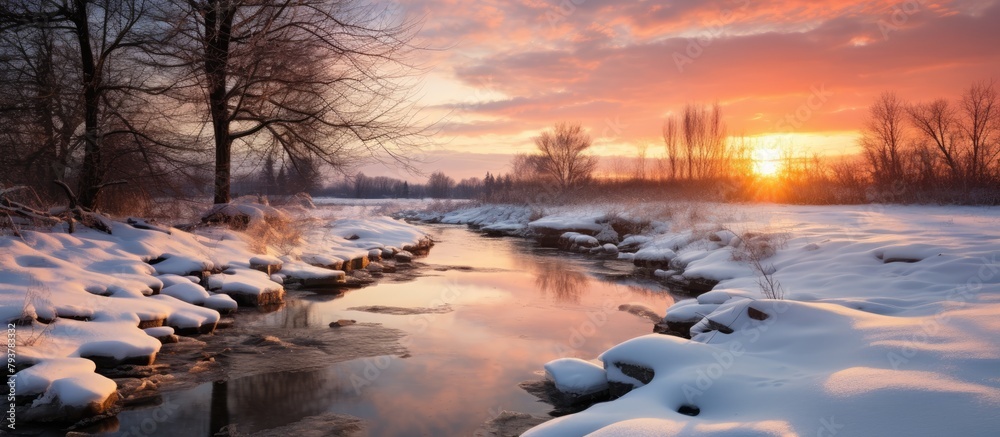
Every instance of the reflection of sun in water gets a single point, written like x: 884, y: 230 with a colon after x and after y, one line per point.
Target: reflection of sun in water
x: 766, y: 161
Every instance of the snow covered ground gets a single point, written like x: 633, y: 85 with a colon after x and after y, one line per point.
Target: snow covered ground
x: 890, y: 322
x: 73, y: 300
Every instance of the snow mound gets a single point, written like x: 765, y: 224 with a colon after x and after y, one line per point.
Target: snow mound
x: 575, y: 376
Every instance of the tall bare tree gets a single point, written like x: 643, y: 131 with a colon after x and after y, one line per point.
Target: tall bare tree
x: 563, y: 155
x: 980, y: 127
x: 671, y: 138
x: 702, y: 133
x: 883, y: 137
x: 323, y: 78
x: 102, y: 30
x: 938, y: 122
x: 38, y: 106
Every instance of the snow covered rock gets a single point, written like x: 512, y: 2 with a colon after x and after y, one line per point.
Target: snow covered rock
x: 267, y: 264
x: 247, y: 287
x: 309, y: 276
x: 653, y: 257
x: 576, y: 377
x: 163, y: 333
x: 222, y: 303
x: 404, y: 256
x: 577, y: 242
x: 63, y: 390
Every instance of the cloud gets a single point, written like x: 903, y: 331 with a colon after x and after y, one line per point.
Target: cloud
x: 599, y: 61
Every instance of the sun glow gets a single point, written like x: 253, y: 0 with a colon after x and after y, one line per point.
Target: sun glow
x: 766, y: 161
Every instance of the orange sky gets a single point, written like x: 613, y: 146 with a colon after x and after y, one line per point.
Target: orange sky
x: 798, y: 72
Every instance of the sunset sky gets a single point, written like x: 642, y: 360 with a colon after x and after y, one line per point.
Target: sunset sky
x: 797, y: 73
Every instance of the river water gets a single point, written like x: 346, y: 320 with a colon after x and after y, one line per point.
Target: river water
x: 514, y: 307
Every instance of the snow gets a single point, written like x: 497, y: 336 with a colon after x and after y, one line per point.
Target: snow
x: 570, y: 221
x: 71, y: 381
x: 186, y: 291
x: 689, y: 313
x: 510, y: 219
x: 888, y: 326
x: 576, y: 376
x: 37, y: 379
x: 243, y: 281
x: 266, y: 260
x: 376, y: 232
x: 182, y: 265
x: 85, y: 294
x: 220, y: 302
x: 159, y: 331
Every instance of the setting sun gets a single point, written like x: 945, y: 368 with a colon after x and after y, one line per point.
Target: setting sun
x: 766, y: 161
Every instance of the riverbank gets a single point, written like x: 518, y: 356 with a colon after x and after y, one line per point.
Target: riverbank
x: 103, y: 321
x: 871, y: 319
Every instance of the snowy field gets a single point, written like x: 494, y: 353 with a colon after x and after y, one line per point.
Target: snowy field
x: 889, y: 322
x: 73, y: 300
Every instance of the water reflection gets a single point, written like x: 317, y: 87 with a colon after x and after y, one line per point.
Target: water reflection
x: 563, y: 280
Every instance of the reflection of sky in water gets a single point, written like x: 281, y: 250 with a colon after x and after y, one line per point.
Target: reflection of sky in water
x: 518, y: 311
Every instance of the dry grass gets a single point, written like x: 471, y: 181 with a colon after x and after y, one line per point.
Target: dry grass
x: 281, y: 233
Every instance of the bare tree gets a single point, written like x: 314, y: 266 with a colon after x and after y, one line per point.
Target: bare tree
x: 671, y: 138
x: 703, y: 136
x: 439, y: 185
x: 641, y: 149
x: 883, y: 136
x: 38, y: 106
x: 320, y: 78
x: 980, y: 127
x: 937, y: 121
x: 102, y: 31
x: 563, y: 157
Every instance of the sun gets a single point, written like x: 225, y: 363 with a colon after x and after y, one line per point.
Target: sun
x: 766, y: 161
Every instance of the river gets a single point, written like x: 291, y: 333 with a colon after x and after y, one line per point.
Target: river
x: 513, y: 307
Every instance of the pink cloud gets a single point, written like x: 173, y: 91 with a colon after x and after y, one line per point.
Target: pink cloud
x: 602, y: 62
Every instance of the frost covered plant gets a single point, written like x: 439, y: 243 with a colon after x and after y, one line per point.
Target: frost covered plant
x: 36, y: 296
x: 753, y: 248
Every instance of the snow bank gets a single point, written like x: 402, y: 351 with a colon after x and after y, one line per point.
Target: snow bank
x: 80, y: 300
x: 889, y: 328
x: 505, y: 219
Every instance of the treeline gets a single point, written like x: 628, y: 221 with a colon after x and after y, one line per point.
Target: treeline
x: 940, y: 151
x: 936, y: 148
x: 438, y: 186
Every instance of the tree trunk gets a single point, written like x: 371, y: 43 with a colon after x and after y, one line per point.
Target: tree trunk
x: 218, y: 26
x: 90, y: 172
